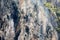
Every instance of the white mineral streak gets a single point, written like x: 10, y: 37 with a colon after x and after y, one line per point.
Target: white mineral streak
x: 37, y: 31
x: 10, y: 30
x: 1, y: 34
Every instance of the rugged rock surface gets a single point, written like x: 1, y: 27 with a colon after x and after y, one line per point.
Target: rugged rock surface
x: 26, y: 20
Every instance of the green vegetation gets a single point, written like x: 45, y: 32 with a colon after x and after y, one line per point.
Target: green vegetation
x: 55, y: 9
x: 51, y: 7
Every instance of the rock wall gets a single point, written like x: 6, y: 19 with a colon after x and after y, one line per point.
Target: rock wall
x: 26, y: 20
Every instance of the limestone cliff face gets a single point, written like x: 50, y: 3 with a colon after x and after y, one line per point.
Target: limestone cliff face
x: 26, y: 20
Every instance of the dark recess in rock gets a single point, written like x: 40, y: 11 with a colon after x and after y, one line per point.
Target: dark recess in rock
x: 35, y: 7
x: 27, y: 29
x: 26, y: 18
x: 14, y: 14
x: 17, y: 34
x: 0, y: 38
